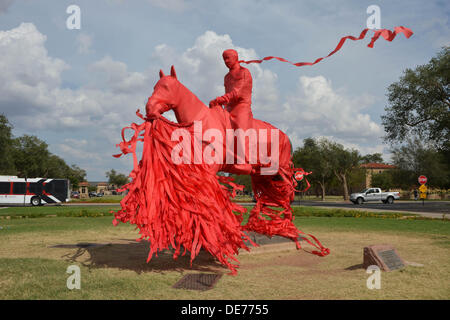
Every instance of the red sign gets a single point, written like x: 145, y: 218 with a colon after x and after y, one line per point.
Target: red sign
x: 299, y: 176
x: 422, y: 179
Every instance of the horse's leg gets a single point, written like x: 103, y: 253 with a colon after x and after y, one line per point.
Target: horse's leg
x: 263, y: 218
x: 275, y: 191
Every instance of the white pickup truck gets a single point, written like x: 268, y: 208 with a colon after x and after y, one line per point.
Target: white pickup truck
x: 374, y: 194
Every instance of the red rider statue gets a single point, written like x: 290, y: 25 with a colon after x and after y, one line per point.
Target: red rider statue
x: 237, y: 98
x: 238, y: 92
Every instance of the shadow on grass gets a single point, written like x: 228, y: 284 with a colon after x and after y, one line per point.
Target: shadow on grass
x: 133, y: 255
x: 355, y: 267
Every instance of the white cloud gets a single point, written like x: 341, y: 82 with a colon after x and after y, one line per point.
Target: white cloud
x: 77, y: 150
x: 25, y: 61
x: 316, y: 109
x: 32, y: 95
x: 363, y: 149
x: 118, y: 78
x: 202, y: 70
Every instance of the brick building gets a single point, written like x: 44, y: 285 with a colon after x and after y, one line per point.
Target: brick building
x: 375, y: 168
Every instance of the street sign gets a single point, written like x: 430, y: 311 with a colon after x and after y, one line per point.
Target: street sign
x: 422, y: 179
x: 299, y: 176
x: 423, y: 191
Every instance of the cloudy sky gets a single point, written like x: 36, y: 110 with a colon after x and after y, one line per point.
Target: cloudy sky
x: 76, y: 89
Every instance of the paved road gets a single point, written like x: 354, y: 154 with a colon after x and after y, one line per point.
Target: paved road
x: 432, y: 209
x: 410, y: 206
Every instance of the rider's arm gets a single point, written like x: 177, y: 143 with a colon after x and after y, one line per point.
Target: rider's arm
x: 235, y: 94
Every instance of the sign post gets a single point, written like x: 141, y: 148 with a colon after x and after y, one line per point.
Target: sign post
x: 423, y: 188
x: 299, y: 177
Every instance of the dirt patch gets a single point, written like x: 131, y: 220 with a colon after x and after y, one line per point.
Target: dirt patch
x: 291, y: 258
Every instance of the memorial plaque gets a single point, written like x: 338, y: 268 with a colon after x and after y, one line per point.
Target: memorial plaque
x: 262, y: 239
x: 384, y: 256
x: 391, y: 259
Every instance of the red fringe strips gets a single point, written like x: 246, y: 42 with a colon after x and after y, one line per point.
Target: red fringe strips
x: 278, y: 193
x: 179, y: 206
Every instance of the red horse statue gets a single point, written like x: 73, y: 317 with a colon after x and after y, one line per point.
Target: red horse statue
x: 176, y: 198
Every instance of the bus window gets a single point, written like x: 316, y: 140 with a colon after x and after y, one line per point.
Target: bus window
x: 59, y: 185
x: 35, y: 188
x: 19, y: 187
x: 5, y: 187
x: 48, y: 187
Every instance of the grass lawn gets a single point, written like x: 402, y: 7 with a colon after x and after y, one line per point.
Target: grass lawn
x: 59, y: 211
x: 31, y: 269
x: 104, y: 199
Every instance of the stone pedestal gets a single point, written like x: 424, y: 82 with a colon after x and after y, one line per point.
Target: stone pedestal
x: 384, y: 256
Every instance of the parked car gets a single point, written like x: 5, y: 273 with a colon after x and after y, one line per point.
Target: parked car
x: 374, y: 194
x: 100, y: 194
x: 75, y: 195
x: 92, y: 194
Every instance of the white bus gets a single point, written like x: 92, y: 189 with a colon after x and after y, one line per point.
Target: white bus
x: 34, y: 191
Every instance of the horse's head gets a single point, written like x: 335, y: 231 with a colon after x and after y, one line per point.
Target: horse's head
x: 165, y: 95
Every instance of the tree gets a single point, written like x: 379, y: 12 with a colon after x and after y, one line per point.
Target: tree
x: 6, y: 146
x: 356, y: 179
x: 419, y: 104
x: 31, y: 156
x: 416, y: 158
x: 56, y: 167
x: 372, y: 158
x: 311, y: 157
x: 244, y: 180
x: 119, y: 179
x: 28, y: 156
x: 342, y: 161
x: 383, y: 180
x: 76, y: 175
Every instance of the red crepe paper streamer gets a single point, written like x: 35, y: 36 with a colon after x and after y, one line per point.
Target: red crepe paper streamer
x: 385, y: 33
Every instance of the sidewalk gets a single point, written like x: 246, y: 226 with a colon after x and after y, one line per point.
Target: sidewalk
x: 423, y: 214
